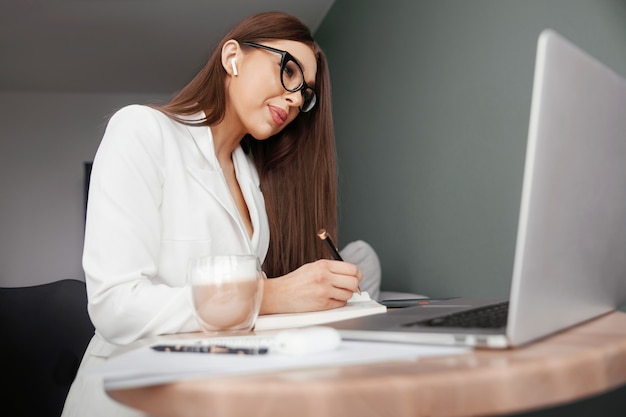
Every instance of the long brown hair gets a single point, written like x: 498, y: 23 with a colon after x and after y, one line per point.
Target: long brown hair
x: 297, y: 167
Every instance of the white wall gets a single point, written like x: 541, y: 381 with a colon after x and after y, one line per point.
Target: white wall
x: 44, y: 140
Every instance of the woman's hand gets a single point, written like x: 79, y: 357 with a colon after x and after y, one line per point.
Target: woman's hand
x: 320, y: 285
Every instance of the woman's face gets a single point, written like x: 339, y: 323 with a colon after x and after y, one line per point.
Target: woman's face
x: 256, y: 95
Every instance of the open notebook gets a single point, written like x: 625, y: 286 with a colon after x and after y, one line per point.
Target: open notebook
x: 359, y: 305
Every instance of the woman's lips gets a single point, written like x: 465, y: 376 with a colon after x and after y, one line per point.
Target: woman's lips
x: 278, y: 115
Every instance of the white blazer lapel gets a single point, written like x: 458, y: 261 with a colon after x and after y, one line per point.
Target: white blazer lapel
x: 206, y: 170
x: 251, y: 190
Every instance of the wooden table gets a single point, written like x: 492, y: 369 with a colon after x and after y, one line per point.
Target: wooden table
x: 581, y: 362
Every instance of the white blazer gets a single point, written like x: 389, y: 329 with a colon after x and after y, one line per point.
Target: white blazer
x: 157, y: 198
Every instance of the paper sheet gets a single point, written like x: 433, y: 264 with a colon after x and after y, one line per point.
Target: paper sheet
x: 144, y: 366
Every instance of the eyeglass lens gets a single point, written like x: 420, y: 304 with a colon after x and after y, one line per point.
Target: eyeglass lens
x: 293, y: 79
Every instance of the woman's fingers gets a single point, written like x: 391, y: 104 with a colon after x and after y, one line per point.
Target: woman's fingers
x: 319, y: 285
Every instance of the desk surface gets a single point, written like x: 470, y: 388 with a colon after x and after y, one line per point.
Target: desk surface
x: 586, y: 360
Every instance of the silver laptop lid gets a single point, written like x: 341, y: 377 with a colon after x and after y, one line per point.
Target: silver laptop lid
x: 570, y: 260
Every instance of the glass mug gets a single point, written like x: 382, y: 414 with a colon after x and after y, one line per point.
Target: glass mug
x: 226, y: 291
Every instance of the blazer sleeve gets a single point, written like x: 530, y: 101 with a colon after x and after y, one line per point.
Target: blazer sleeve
x: 127, y: 300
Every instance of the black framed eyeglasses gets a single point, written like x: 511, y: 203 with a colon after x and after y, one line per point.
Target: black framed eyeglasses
x: 291, y: 76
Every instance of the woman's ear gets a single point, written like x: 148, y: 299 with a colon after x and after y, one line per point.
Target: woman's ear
x: 230, y: 53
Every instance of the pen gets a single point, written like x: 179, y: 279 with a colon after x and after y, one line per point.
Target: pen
x: 323, y: 234
x: 211, y: 349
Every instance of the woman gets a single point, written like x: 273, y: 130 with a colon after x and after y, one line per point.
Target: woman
x: 243, y: 153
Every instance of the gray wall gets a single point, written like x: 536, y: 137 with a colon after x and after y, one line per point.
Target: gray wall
x: 431, y: 104
x: 44, y: 140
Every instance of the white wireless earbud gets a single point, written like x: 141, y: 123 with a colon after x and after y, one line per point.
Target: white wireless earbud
x: 232, y: 62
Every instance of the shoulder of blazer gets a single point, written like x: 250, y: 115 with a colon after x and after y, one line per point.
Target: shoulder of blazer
x: 139, y: 114
x: 155, y: 130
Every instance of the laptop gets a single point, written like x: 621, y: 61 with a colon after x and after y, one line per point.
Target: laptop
x: 570, y: 256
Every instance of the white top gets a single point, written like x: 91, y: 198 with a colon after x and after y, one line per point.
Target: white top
x: 157, y: 198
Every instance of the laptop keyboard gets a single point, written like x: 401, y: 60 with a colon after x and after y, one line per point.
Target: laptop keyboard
x: 488, y: 317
